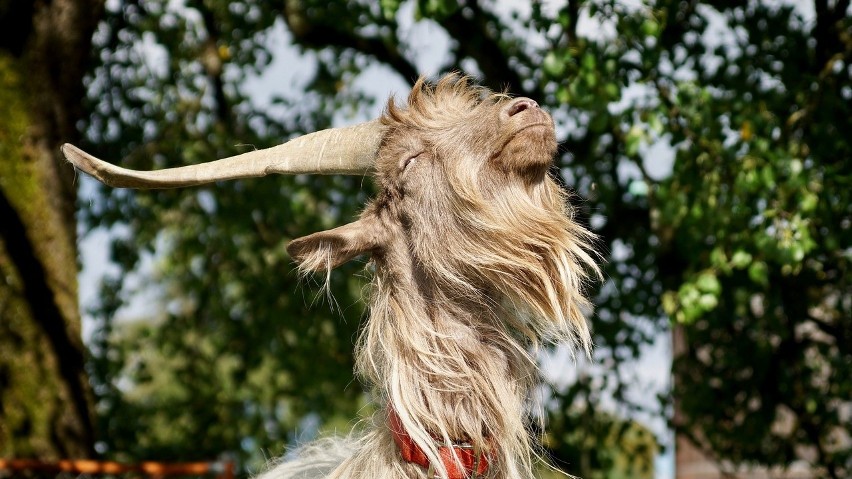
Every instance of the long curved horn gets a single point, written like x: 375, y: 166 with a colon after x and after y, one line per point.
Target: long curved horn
x: 350, y: 150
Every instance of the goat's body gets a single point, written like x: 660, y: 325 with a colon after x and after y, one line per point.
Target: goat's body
x: 334, y: 458
x: 373, y: 455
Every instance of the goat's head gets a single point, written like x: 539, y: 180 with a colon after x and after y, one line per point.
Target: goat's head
x: 466, y: 204
x: 467, y: 208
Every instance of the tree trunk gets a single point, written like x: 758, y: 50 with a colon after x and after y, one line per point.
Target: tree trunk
x: 45, y: 400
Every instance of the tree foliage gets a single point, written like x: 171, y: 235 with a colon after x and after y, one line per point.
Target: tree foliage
x: 707, y: 139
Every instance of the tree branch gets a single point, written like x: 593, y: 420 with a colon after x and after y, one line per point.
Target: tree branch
x: 573, y: 9
x: 677, y: 16
x: 213, y: 62
x: 826, y: 32
x: 314, y: 35
x: 480, y: 44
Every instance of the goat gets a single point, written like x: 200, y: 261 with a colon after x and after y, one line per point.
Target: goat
x: 477, y: 262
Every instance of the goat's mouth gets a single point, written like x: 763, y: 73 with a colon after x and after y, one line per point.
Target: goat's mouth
x: 535, y: 134
x: 528, y: 150
x: 532, y: 126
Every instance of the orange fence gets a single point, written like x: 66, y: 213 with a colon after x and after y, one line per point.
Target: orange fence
x: 222, y: 469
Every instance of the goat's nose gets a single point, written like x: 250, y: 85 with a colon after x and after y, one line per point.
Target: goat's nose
x: 518, y: 105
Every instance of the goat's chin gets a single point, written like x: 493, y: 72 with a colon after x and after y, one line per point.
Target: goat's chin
x: 529, y: 153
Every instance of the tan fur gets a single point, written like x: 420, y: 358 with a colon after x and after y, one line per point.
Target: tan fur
x: 477, y: 262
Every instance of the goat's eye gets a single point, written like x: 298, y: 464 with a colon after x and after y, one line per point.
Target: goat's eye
x: 406, y: 162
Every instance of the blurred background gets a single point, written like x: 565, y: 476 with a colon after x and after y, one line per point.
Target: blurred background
x: 707, y: 144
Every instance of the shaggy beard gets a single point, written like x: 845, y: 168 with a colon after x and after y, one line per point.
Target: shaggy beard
x: 519, y: 252
x: 541, y: 262
x: 450, y: 348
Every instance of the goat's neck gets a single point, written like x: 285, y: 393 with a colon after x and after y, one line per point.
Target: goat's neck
x: 446, y: 364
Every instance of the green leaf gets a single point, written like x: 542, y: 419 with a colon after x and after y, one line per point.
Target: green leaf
x: 740, y: 259
x: 633, y: 140
x: 759, y: 273
x: 553, y: 65
x: 708, y: 283
x: 808, y: 202
x: 588, y: 62
x: 389, y: 8
x: 708, y: 302
x: 650, y: 28
x: 638, y: 188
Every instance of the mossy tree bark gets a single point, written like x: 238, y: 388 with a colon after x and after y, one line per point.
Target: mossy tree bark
x: 45, y: 400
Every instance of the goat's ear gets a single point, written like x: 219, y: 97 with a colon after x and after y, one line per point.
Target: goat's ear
x: 326, y: 250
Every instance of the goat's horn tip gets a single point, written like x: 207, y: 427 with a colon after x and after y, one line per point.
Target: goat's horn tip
x: 73, y: 154
x: 87, y: 163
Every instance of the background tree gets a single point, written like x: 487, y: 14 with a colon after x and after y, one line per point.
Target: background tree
x: 706, y: 138
x: 45, y: 399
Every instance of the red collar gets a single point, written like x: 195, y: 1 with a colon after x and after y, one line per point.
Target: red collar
x: 460, y: 459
